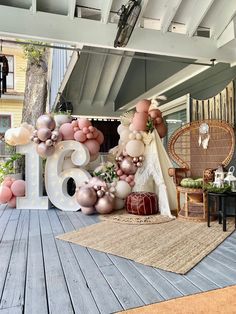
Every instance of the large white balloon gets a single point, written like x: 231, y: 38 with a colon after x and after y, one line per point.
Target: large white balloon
x: 123, y: 189
x: 135, y: 148
x: 17, y: 136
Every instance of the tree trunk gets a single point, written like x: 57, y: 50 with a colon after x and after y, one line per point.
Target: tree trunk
x: 35, y: 97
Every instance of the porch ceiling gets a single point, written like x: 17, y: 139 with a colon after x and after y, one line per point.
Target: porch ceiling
x: 196, y: 29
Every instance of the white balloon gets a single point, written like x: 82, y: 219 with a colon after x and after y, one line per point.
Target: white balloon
x: 123, y: 189
x: 124, y: 135
x: 119, y: 203
x: 120, y: 128
x: 17, y: 136
x: 135, y: 148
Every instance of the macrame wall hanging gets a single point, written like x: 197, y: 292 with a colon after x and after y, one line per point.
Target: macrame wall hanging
x: 219, y: 107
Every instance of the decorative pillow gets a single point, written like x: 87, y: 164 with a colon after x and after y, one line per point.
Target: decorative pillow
x: 142, y: 203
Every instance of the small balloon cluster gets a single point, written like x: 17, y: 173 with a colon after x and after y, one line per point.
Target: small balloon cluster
x: 103, y: 193
x: 10, y: 189
x: 96, y: 196
x: 46, y: 136
x: 147, y: 117
x: 82, y: 131
x: 127, y: 167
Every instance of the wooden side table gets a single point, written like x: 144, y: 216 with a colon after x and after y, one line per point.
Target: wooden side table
x: 194, y: 204
x: 221, y: 208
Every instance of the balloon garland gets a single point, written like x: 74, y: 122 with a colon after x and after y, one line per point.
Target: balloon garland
x: 111, y: 182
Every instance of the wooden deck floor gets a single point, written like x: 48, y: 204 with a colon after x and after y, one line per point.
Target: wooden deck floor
x: 39, y: 274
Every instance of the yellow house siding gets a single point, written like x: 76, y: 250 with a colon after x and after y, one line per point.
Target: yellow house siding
x: 14, y: 108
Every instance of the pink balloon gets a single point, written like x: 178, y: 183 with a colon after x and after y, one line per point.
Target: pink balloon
x: 158, y: 120
x: 74, y: 123
x: 154, y: 113
x: 79, y: 136
x: 44, y: 151
x: 12, y: 202
x: 76, y: 129
x: 44, y: 134
x: 140, y: 121
x: 7, y: 183
x: 95, y: 133
x: 92, y: 146
x: 85, y: 130
x: 96, y: 181
x: 89, y: 136
x: 143, y: 105
x: 94, y: 157
x: 18, y: 188
x: 104, y: 205
x: 5, y: 194
x: 123, y: 177
x: 67, y: 131
x: 86, y: 196
x: 132, y: 183
x: 83, y: 122
x: 91, y: 128
x: 119, y: 172
x: 100, y: 137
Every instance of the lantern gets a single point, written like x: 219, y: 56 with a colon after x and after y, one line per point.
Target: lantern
x: 219, y: 177
x: 231, y: 179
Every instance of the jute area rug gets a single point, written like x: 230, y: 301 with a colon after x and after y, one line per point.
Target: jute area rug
x: 220, y: 301
x: 122, y: 216
x: 175, y: 246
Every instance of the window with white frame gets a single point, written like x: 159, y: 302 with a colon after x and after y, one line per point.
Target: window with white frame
x: 5, y: 122
x: 10, y: 76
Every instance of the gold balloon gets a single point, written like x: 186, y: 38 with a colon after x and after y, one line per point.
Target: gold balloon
x: 86, y: 196
x: 104, y: 205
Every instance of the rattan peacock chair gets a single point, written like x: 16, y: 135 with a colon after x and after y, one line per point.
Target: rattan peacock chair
x: 198, y: 148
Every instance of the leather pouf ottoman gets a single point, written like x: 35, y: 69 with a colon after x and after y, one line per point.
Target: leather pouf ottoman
x: 142, y: 203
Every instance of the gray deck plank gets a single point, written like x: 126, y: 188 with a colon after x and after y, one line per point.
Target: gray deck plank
x: 120, y: 286
x: 163, y: 286
x: 4, y: 220
x: 12, y: 310
x: 180, y: 282
x: 223, y: 259
x: 93, y: 276
x: 229, y: 252
x: 58, y: 296
x: 6, y: 246
x: 35, y: 291
x: 2, y: 208
x: 200, y: 281
x: 82, y: 299
x: 140, y: 285
x: 13, y: 294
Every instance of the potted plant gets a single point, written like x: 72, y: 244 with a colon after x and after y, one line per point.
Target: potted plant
x: 10, y: 167
x: 63, y: 111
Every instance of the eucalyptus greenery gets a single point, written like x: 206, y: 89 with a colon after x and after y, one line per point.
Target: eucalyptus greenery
x: 210, y: 187
x: 106, y: 172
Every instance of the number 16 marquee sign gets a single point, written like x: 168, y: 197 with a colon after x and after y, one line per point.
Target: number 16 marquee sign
x: 67, y: 162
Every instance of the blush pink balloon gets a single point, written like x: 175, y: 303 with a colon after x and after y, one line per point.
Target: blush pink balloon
x: 104, y: 205
x: 132, y: 183
x: 100, y: 137
x: 12, y: 202
x: 158, y: 120
x: 91, y: 128
x: 18, y: 188
x: 79, y: 136
x: 7, y: 183
x: 83, y: 122
x: 67, y: 131
x: 123, y: 177
x: 161, y: 129
x: 5, y: 194
x: 93, y: 146
x: 76, y: 129
x: 119, y: 172
x: 154, y: 113
x: 74, y: 123
x: 89, y: 136
x: 143, y: 105
x: 44, y: 134
x: 95, y: 133
x: 140, y: 121
x: 86, y: 196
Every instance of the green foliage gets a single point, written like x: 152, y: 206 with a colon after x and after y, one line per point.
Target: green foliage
x: 33, y: 52
x: 150, y: 125
x: 211, y: 188
x: 106, y: 172
x: 8, y: 167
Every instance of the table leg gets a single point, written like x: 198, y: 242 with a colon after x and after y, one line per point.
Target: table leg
x: 209, y: 213
x: 223, y: 213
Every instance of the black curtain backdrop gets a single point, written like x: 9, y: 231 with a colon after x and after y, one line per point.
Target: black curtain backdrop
x: 109, y: 130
